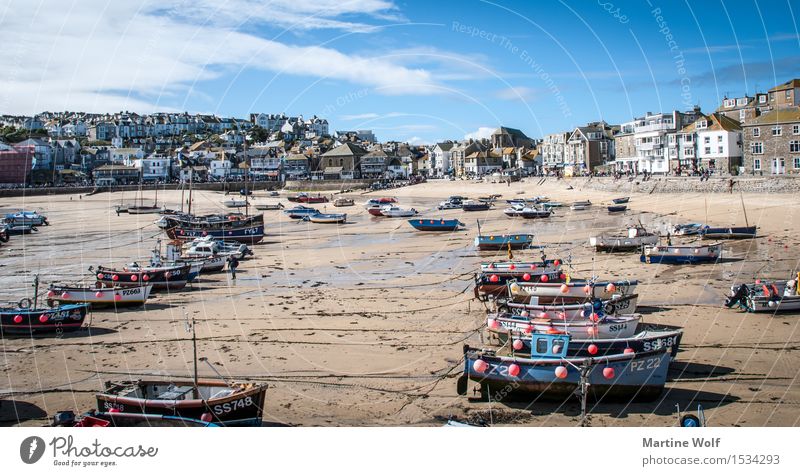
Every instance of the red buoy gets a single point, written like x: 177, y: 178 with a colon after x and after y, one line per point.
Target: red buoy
x: 513, y: 370
x: 608, y: 373
x: 561, y: 371
x: 517, y: 344
x: 526, y: 277
x: 592, y: 349
x: 43, y: 318
x: 494, y: 278
x: 18, y: 319
x: 480, y: 366
x: 545, y: 278
x: 628, y: 350
x: 115, y: 277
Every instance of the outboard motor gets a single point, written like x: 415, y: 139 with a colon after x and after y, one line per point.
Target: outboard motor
x: 738, y: 296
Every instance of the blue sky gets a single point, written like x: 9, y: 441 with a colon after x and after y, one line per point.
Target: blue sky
x: 419, y: 71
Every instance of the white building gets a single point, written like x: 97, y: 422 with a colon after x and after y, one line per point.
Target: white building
x: 440, y: 158
x: 553, y: 150
x: 125, y: 155
x: 651, y: 139
x: 719, y: 142
x: 155, y: 167
x: 220, y: 168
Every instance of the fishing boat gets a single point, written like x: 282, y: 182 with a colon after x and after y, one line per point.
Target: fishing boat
x: 621, y: 200
x: 523, y: 211
x: 207, y: 248
x: 681, y: 254
x: 579, y: 206
x: 245, y: 192
x: 28, y: 320
x: 570, y: 310
x: 300, y: 211
x: 393, y: 211
x: 516, y: 241
x: 730, y: 233
x: 344, y: 202
x: 274, y: 193
x: 449, y: 206
x: 27, y: 218
x: 617, y: 208
x: 609, y: 336
x: 521, y: 290
x: 636, y: 237
x: 171, y: 278
x: 375, y: 210
x: 547, y: 371
x: 327, y: 218
x: 552, y: 204
x: 687, y: 229
x: 435, y: 224
x: 235, y: 203
x: 765, y: 296
x: 494, y: 278
x: 475, y: 206
x: 269, y: 206
x: 233, y: 226
x: 207, y: 400
x: 306, y: 198
x: 96, y: 419
x: 12, y: 228
x: 141, y: 208
x: 117, y: 296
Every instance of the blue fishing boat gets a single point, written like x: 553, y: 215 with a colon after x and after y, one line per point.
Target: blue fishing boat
x: 27, y: 320
x: 300, y: 211
x: 547, y: 371
x: 26, y: 218
x: 516, y: 241
x: 681, y: 254
x: 233, y: 226
x: 729, y: 233
x: 435, y: 224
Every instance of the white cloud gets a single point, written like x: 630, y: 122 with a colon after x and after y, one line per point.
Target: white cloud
x: 106, y: 56
x: 415, y: 141
x: 517, y: 93
x: 359, y: 117
x: 481, y: 133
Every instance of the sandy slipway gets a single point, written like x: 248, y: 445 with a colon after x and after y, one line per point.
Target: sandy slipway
x: 364, y: 323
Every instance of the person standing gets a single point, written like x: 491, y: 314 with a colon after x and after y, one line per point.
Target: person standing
x: 233, y: 263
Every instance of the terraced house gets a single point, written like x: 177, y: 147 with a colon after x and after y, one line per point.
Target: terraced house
x: 772, y: 143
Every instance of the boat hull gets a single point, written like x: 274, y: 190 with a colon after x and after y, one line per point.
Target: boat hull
x: 249, y: 234
x: 240, y: 408
x: 435, y: 225
x: 160, y: 279
x: 639, y: 377
x: 614, y: 327
x: 575, y: 289
x: 68, y: 318
x: 579, y: 312
x: 502, y: 242
x: 128, y: 296
x: 681, y: 254
x: 732, y: 233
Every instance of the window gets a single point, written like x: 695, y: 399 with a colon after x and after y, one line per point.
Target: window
x: 796, y: 162
x: 741, y: 101
x: 708, y: 150
x: 796, y: 129
x: 757, y: 148
x: 794, y: 146
x: 541, y: 346
x: 776, y: 130
x: 706, y: 140
x: 720, y: 149
x: 756, y: 164
x: 702, y: 124
x: 756, y: 132
x: 719, y: 139
x: 788, y: 94
x: 688, y: 152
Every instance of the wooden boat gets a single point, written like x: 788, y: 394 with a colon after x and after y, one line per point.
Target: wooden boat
x: 435, y: 224
x: 209, y: 400
x: 26, y: 218
x: 95, y: 419
x: 617, y: 208
x: 393, y: 211
x: 473, y: 206
x: 521, y: 290
x: 730, y: 233
x: 300, y: 212
x: 25, y: 320
x: 269, y: 206
x: 344, y: 202
x: 547, y: 371
x: 635, y: 239
x: 609, y: 327
x: 494, y: 278
x: 681, y: 254
x: 576, y: 311
x: 609, y: 335
x: 234, y: 226
x: 327, y: 218
x: 235, y: 203
x: 765, y: 296
x: 503, y: 242
x: 172, y: 278
x: 687, y: 229
x: 621, y: 200
x: 117, y: 296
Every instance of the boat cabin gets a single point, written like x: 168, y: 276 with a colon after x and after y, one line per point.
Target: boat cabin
x: 549, y: 346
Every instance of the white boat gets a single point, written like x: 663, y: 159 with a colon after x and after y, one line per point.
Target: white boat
x: 98, y: 296
x: 687, y: 229
x: 681, y: 254
x: 580, y: 206
x: 616, y: 327
x: 23, y: 217
x: 578, y: 311
x: 765, y: 296
x: 208, y: 247
x: 210, y: 263
x: 327, y: 218
x: 635, y: 239
x: 269, y: 206
x: 574, y: 289
x: 449, y: 206
x: 235, y: 202
x: 393, y: 211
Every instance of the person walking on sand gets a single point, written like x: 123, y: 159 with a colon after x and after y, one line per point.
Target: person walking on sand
x: 730, y: 185
x: 233, y: 263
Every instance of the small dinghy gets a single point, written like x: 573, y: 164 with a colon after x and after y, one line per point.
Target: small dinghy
x: 583, y: 205
x: 681, y: 254
x: 27, y: 218
x: 344, y: 202
x: 235, y: 203
x: 765, y: 296
x: 516, y: 241
x: 621, y: 200
x: 393, y: 211
x: 617, y: 208
x: 269, y: 206
x: 730, y: 233
x: 687, y: 229
x: 300, y: 211
x: 435, y: 224
x: 473, y: 206
x: 326, y: 218
x: 635, y: 238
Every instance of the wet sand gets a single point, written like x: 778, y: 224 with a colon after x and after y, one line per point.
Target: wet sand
x: 363, y: 323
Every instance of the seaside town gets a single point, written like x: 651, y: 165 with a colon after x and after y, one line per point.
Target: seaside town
x: 757, y: 134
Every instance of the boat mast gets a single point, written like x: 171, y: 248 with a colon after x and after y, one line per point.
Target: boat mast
x: 246, y: 173
x: 191, y: 181
x: 744, y: 210
x: 35, y: 291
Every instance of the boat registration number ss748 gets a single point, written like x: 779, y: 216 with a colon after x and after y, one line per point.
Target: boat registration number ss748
x: 224, y: 408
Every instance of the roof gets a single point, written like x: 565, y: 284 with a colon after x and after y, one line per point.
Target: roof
x: 510, y: 131
x: 345, y: 150
x: 445, y: 146
x: 791, y: 84
x: 377, y: 153
x: 778, y: 116
x: 296, y: 157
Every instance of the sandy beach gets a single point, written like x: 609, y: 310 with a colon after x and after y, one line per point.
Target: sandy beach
x: 363, y: 323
